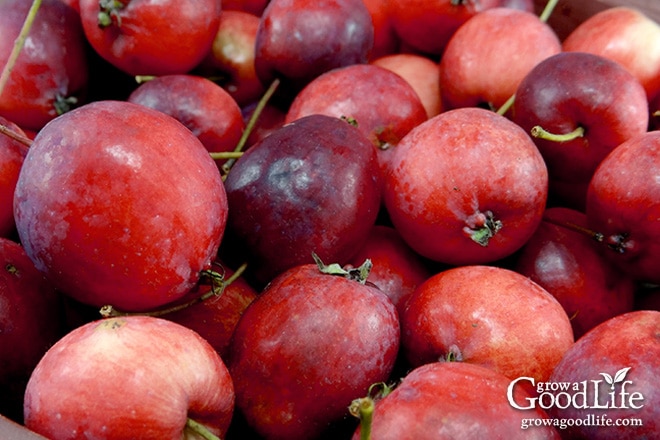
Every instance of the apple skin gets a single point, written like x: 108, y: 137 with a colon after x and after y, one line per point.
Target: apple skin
x: 466, y: 313
x: 215, y: 318
x: 449, y: 172
x: 397, y: 270
x: 43, y: 79
x: 120, y: 204
x: 255, y: 7
x: 12, y: 155
x: 571, y: 266
x: 628, y: 340
x: 629, y: 220
x: 205, y: 108
x: 625, y: 35
x: 147, y: 38
x: 579, y: 89
x: 310, y: 344
x: 232, y: 56
x: 477, y: 69
x: 31, y: 320
x: 385, y: 39
x: 298, y: 40
x: 384, y: 105
x: 427, y: 25
x: 129, y: 377
x: 312, y: 186
x: 451, y: 400
x: 422, y: 73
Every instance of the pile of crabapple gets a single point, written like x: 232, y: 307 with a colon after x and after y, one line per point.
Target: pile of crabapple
x: 333, y: 219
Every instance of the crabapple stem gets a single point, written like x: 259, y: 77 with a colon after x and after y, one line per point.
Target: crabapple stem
x: 18, y: 44
x: 144, y: 78
x: 226, y: 167
x: 15, y: 136
x: 541, y: 133
x: 363, y: 409
x: 219, y: 155
x: 577, y: 228
x: 547, y: 10
x: 506, y: 106
x: 200, y: 430
x: 108, y: 311
x: 545, y: 15
x: 481, y: 227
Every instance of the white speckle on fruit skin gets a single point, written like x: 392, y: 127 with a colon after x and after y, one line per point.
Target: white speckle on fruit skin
x: 119, y: 153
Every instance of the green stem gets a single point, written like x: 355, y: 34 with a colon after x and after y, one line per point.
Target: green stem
x: 200, y: 430
x: 545, y: 15
x: 506, y: 106
x: 18, y: 44
x: 252, y: 122
x: 547, y: 11
x: 363, y: 409
x: 220, y: 155
x: 540, y: 133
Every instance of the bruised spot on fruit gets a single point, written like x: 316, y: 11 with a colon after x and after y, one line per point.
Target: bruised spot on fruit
x: 481, y: 227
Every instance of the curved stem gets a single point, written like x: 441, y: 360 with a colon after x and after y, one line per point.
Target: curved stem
x: 108, y: 311
x: 540, y: 133
x: 200, y: 430
x: 18, y: 44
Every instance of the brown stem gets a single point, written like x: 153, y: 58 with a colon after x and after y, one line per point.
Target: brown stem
x: 15, y: 136
x: 109, y: 311
x: 597, y: 236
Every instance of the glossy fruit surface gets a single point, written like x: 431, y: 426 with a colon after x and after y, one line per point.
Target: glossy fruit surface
x: 618, y: 359
x: 164, y: 374
x: 310, y: 344
x: 142, y: 37
x: 298, y: 40
x: 466, y: 187
x: 465, y: 314
x: 120, y: 204
x: 629, y: 220
x: 51, y: 74
x: 311, y: 186
x: 471, y: 399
